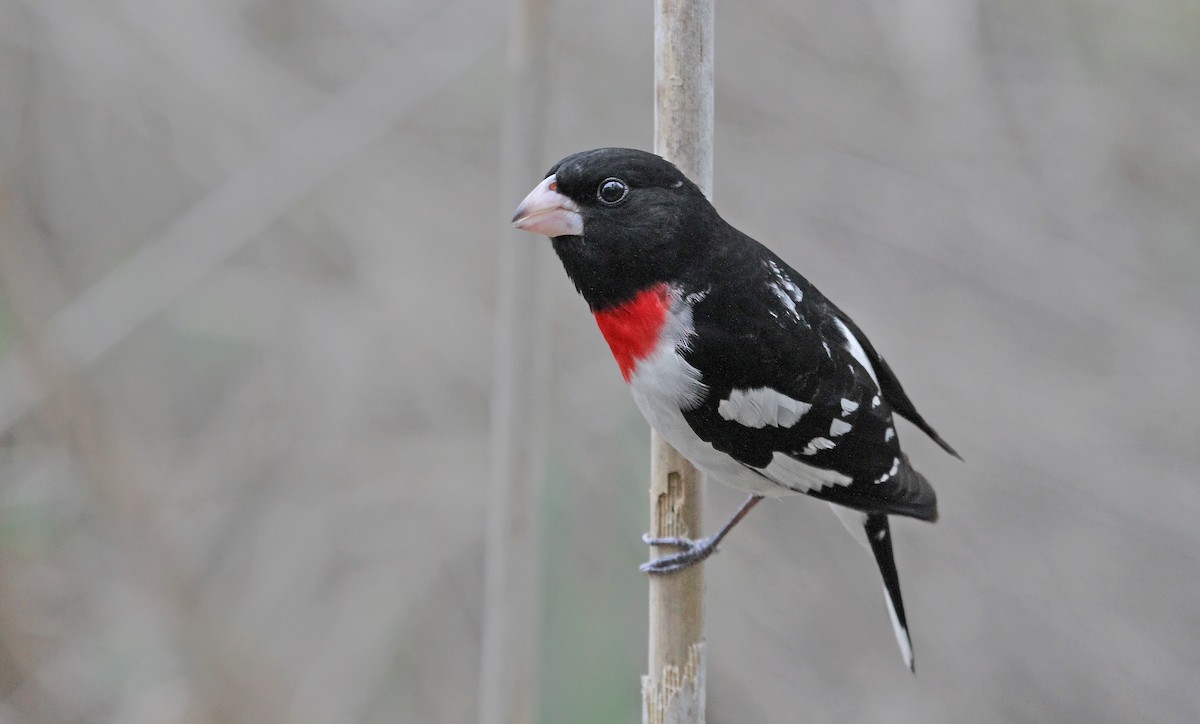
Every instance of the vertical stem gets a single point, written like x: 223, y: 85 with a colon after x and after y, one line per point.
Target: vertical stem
x: 673, y: 692
x: 508, y: 670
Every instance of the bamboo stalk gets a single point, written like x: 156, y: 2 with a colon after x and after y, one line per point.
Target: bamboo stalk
x: 673, y: 692
x: 508, y: 668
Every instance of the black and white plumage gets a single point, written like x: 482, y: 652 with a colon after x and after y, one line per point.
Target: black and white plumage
x: 731, y: 355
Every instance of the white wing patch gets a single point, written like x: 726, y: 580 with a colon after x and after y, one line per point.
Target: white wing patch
x: 838, y: 427
x: 887, y: 436
x: 762, y: 406
x: 856, y: 349
x: 789, y: 471
x: 848, y: 406
x: 818, y: 443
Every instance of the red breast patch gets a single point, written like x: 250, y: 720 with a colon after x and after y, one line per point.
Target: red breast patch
x: 633, y: 328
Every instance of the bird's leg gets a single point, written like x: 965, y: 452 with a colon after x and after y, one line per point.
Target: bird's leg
x: 693, y: 551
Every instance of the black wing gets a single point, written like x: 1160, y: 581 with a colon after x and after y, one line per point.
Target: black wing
x: 893, y: 392
x: 773, y: 339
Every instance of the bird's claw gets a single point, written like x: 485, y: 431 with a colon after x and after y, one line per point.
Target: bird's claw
x: 693, y: 552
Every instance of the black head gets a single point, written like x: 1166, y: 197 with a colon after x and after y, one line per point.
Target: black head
x: 621, y: 220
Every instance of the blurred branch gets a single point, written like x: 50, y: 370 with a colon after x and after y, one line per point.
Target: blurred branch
x: 508, y: 670
x: 233, y: 213
x: 209, y: 43
x: 235, y: 685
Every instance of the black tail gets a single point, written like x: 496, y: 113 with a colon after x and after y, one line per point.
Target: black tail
x: 879, y: 535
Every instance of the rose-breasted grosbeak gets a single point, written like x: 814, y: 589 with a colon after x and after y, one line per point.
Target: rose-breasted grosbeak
x: 733, y: 357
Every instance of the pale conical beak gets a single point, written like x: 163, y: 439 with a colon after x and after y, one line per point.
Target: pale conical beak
x: 546, y: 211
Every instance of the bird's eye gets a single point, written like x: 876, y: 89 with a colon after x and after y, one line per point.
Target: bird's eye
x: 612, y: 191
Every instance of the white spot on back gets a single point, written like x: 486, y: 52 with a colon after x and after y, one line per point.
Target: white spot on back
x: 785, y: 289
x: 838, y: 427
x: 787, y: 470
x: 848, y: 406
x: 817, y: 443
x: 785, y: 299
x: 856, y: 349
x: 762, y: 406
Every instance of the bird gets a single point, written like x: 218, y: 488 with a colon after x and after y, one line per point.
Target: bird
x: 732, y: 356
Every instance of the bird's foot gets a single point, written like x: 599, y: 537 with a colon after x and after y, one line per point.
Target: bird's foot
x: 693, y: 552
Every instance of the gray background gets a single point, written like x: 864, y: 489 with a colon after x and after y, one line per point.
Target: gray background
x: 257, y: 240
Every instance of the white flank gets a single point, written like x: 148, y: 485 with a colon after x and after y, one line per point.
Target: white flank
x: 671, y: 378
x: 787, y: 470
x: 762, y: 406
x: 817, y: 443
x: 901, y: 634
x: 848, y: 406
x: 856, y: 349
x: 838, y: 427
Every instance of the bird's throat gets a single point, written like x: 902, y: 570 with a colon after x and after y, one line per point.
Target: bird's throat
x: 632, y: 329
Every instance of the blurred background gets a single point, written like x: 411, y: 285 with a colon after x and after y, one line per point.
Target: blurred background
x: 248, y: 255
